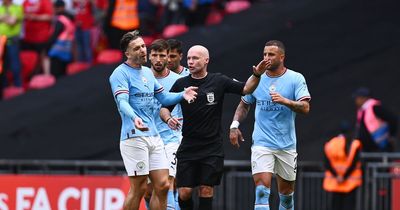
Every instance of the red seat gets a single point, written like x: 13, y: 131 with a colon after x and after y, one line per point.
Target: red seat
x: 109, y: 56
x: 12, y: 91
x: 148, y: 40
x: 42, y: 81
x: 76, y: 67
x: 215, y: 17
x: 174, y: 30
x: 236, y: 6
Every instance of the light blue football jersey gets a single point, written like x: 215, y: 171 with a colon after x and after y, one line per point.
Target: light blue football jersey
x: 185, y: 71
x: 141, y: 86
x: 274, y: 125
x: 167, y: 134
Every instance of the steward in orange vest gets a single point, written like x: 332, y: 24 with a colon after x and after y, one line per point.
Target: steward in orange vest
x: 343, y: 173
x: 343, y: 170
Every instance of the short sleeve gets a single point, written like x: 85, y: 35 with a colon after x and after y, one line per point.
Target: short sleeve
x: 248, y: 99
x: 301, y: 89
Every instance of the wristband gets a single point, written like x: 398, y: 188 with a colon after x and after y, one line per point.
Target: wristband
x: 256, y: 75
x: 235, y: 124
x: 168, y: 120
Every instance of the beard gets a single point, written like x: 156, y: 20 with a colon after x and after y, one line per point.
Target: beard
x: 159, y: 68
x: 273, y: 67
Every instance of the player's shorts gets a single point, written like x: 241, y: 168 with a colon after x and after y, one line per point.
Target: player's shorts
x: 280, y: 162
x: 171, y: 149
x: 143, y: 154
x: 207, y: 171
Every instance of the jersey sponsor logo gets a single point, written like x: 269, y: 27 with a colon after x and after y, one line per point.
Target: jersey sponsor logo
x: 211, y: 98
x: 144, y: 95
x: 266, y: 105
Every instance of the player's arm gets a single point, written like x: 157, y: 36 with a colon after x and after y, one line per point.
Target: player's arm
x: 301, y: 106
x: 165, y: 115
x: 120, y: 91
x: 240, y: 114
x: 169, y: 98
x: 124, y: 106
x: 252, y: 82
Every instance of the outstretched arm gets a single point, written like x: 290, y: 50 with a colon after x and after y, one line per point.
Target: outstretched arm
x: 168, y: 98
x: 252, y: 82
x: 240, y: 114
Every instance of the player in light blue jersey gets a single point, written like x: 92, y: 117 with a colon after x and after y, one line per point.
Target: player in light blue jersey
x: 158, y: 58
x: 175, y: 56
x: 281, y: 94
x: 134, y: 89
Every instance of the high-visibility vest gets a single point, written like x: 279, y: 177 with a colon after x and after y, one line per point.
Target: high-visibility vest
x: 125, y: 15
x: 378, y: 128
x: 69, y: 28
x: 62, y: 48
x: 335, y: 151
x: 3, y: 42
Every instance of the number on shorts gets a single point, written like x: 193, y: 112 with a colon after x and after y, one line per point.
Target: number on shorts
x: 174, y: 162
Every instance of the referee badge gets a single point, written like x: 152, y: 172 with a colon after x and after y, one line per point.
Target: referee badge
x: 210, y: 97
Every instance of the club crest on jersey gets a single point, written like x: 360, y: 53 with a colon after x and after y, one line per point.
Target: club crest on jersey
x: 272, y: 88
x: 144, y: 80
x: 211, y: 98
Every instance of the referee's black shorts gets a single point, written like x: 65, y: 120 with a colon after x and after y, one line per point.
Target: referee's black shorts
x: 207, y: 171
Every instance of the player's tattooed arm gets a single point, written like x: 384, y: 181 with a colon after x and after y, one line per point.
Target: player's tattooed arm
x: 302, y: 106
x: 241, y: 111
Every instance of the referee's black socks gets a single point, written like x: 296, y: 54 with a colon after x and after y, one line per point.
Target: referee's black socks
x: 205, y: 203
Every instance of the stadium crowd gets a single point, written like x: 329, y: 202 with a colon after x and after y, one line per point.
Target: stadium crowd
x: 43, y: 40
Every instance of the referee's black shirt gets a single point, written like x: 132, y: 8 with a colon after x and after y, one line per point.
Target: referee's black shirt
x: 202, y: 119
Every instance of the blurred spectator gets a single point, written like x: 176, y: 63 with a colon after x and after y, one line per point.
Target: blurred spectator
x: 172, y: 13
x: 11, y: 16
x: 122, y: 17
x: 196, y: 11
x: 148, y: 14
x: 376, y: 126
x: 343, y: 173
x: 84, y: 21
x: 61, y: 40
x: 37, y: 29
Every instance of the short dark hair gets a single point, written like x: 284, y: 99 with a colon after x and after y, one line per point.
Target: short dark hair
x: 158, y: 45
x: 127, y: 38
x: 276, y: 43
x: 175, y: 44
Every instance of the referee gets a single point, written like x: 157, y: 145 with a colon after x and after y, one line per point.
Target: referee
x: 200, y: 155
